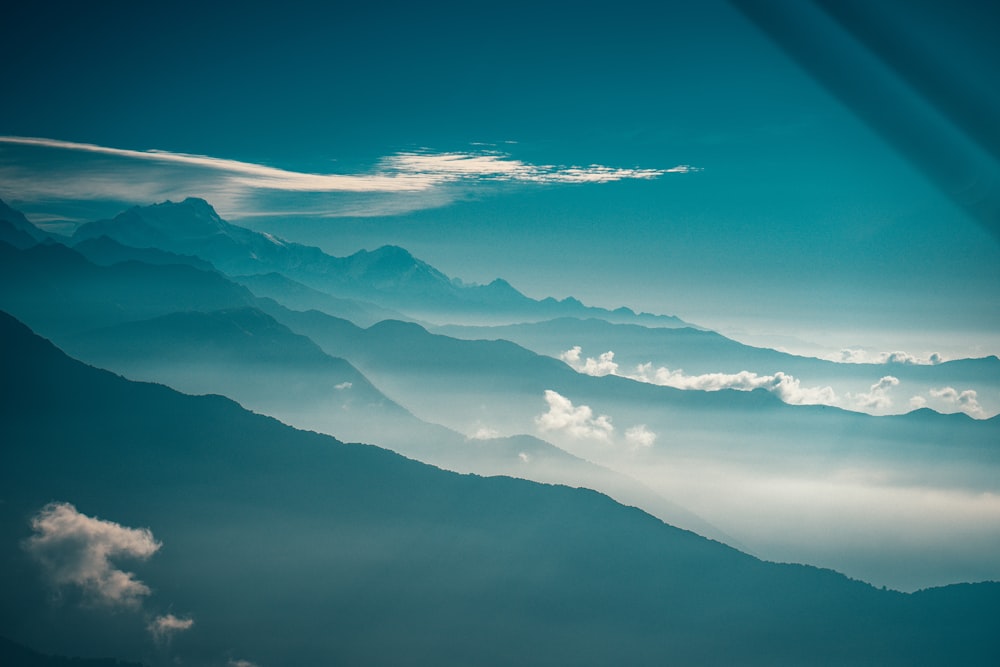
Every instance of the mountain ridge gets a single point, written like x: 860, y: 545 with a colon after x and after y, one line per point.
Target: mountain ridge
x: 390, y: 276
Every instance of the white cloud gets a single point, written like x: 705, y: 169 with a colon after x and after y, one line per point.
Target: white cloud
x: 241, y: 663
x: 576, y: 421
x: 966, y: 401
x: 877, y: 396
x: 485, y: 433
x: 524, y: 457
x: 640, y: 436
x: 861, y: 356
x: 164, y: 627
x: 917, y: 402
x: 77, y: 550
x: 786, y: 387
x: 344, y: 385
x: 406, y: 181
x: 603, y: 365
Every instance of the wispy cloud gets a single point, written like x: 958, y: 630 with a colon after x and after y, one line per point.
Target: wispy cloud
x: 163, y: 628
x: 40, y: 169
x: 77, y: 550
x: 640, y: 436
x: 861, y: 356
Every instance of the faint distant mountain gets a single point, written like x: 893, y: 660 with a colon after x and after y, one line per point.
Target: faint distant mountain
x: 288, y: 547
x: 16, y: 655
x: 106, y: 251
x: 17, y: 230
x: 58, y: 290
x: 389, y: 276
x: 297, y: 296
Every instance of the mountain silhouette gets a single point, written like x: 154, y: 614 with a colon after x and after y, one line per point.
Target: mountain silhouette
x: 59, y: 291
x: 106, y: 252
x: 16, y: 655
x: 297, y: 296
x: 288, y: 547
x: 18, y: 227
x: 388, y: 276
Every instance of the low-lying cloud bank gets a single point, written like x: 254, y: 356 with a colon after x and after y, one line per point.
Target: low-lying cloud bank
x: 785, y: 386
x: 878, y: 398
x: 860, y: 356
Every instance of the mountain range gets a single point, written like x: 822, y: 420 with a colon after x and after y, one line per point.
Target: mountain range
x: 289, y: 547
x: 381, y: 348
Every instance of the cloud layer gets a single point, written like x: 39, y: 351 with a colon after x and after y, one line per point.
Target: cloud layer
x: 39, y: 169
x: 77, y: 550
x: 785, y: 386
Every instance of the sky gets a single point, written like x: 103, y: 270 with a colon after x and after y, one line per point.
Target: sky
x: 805, y: 175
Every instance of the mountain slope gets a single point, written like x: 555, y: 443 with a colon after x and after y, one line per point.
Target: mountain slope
x: 287, y: 547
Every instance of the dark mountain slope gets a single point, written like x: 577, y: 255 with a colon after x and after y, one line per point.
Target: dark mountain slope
x: 291, y: 548
x: 13, y: 654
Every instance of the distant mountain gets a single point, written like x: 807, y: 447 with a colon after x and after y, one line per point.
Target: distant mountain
x: 388, y: 276
x: 287, y: 547
x: 18, y: 227
x: 58, y: 291
x: 297, y: 296
x: 106, y: 252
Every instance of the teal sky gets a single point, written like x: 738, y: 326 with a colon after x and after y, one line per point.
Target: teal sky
x: 840, y: 189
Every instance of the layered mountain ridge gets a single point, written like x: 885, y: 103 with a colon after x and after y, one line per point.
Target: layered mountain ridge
x: 397, y: 559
